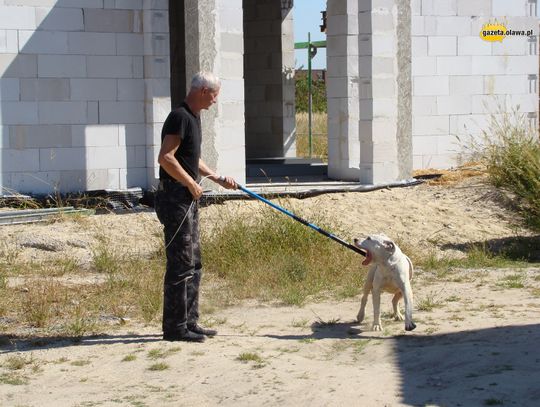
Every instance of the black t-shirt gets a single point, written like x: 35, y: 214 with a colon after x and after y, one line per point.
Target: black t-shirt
x: 187, y: 126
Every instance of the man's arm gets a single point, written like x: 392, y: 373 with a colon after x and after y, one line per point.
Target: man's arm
x: 225, y: 182
x: 170, y: 164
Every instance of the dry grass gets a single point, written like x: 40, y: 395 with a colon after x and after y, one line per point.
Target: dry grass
x: 271, y: 257
x: 132, y: 288
x: 319, y: 135
x: 452, y: 176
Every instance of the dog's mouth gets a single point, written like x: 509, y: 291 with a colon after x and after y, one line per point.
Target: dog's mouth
x: 368, y: 258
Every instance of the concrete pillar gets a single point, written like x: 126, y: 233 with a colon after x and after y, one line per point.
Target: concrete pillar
x: 269, y: 79
x: 157, y: 95
x: 214, y: 42
x: 369, y: 90
x: 287, y: 83
x: 343, y: 89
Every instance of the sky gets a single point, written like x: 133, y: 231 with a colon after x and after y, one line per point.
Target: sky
x: 307, y: 18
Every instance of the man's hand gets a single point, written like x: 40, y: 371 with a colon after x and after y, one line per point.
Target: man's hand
x: 226, y: 182
x: 196, y: 190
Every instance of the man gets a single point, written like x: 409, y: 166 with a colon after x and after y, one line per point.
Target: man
x: 177, y: 209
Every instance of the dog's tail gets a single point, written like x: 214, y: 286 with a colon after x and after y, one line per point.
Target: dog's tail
x: 411, y: 268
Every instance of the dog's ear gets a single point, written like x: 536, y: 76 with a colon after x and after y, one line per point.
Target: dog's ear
x: 389, y: 245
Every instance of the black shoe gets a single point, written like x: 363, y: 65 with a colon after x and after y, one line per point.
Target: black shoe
x: 184, y: 335
x: 202, y: 331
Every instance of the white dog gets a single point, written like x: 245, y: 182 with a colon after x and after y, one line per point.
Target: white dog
x: 391, y: 271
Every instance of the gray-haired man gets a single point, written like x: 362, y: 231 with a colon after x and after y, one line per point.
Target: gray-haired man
x: 180, y: 167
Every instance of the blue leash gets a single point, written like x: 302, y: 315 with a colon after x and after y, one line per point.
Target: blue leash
x: 303, y: 221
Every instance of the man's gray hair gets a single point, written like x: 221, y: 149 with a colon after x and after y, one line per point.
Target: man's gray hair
x: 205, y: 80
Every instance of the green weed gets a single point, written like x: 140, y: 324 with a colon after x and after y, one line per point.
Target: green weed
x: 82, y: 362
x: 41, y: 301
x: 13, y: 379
x: 104, y: 258
x: 252, y: 357
x: 429, y: 302
x: 17, y: 362
x: 158, y: 366
x: 510, y: 149
x: 476, y: 257
x: 301, y: 323
x: 512, y: 281
x: 129, y: 358
x: 80, y: 323
x: 162, y: 353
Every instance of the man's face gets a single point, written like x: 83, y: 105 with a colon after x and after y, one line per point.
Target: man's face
x: 209, y: 97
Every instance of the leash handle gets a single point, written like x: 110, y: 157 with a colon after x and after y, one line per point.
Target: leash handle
x: 303, y: 221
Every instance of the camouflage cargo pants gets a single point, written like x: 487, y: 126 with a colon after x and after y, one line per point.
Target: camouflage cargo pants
x: 183, y: 271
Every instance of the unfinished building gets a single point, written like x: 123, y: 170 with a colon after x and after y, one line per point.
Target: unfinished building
x: 85, y: 85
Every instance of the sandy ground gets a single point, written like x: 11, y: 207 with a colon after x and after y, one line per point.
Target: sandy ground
x: 475, y: 344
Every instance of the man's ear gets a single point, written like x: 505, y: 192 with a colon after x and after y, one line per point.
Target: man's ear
x: 389, y: 245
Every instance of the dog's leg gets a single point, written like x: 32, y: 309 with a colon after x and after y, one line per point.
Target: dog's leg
x: 367, y: 288
x: 408, y: 299
x: 409, y: 324
x: 395, y: 305
x: 376, y: 296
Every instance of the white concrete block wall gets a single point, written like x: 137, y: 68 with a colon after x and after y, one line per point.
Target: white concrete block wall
x: 344, y: 88
x: 459, y: 80
x: 82, y: 92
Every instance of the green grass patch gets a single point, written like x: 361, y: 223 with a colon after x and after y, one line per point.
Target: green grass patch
x: 429, y: 302
x: 360, y: 345
x: 17, y: 362
x: 512, y: 281
x: 3, y: 279
x: 61, y: 267
x: 252, y: 357
x: 80, y: 323
x: 158, y: 366
x: 13, y: 379
x: 129, y: 358
x: 156, y: 353
x: 477, y: 256
x: 162, y: 353
x: 300, y: 323
x: 270, y: 256
x: 82, y: 362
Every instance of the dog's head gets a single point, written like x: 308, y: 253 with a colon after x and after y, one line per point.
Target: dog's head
x: 378, y: 248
